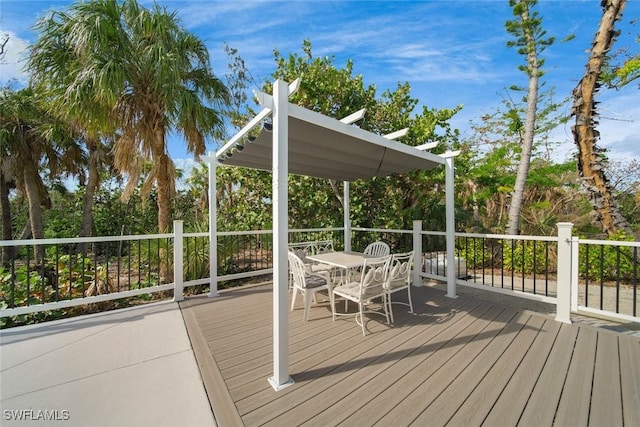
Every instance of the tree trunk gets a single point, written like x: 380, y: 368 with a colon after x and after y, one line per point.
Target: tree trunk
x: 513, y: 224
x: 32, y: 190
x: 86, y: 229
x: 7, y: 230
x: 592, y: 163
x: 165, y: 183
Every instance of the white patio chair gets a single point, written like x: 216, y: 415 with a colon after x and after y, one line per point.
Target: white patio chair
x: 377, y: 249
x: 307, y: 283
x: 372, y: 284
x: 400, y: 279
x: 323, y: 247
x: 302, y: 254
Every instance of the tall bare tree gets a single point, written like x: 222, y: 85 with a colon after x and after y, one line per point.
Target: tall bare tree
x: 592, y: 162
x: 531, y: 41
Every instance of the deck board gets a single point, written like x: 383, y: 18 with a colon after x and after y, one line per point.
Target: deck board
x: 520, y: 386
x: 573, y: 407
x: 630, y: 380
x: 454, y: 362
x: 481, y: 398
x: 606, y: 406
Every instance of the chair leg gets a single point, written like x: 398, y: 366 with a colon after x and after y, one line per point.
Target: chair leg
x: 293, y: 298
x: 361, y: 306
x: 332, y: 298
x: 386, y: 302
x: 308, y: 295
x: 332, y: 302
x: 410, y: 302
x: 390, y: 307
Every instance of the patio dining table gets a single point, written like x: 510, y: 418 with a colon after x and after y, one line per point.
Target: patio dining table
x: 340, y: 259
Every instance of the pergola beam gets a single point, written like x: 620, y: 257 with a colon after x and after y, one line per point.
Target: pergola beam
x: 397, y: 134
x: 352, y: 118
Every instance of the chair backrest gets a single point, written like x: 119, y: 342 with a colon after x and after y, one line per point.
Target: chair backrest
x: 374, y: 276
x: 298, y: 269
x: 400, y: 269
x: 324, y: 246
x: 377, y: 249
x: 302, y: 249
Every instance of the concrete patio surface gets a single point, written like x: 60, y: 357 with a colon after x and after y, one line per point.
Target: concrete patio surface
x: 130, y: 367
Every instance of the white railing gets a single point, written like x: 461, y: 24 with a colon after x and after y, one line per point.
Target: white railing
x: 605, y: 278
x: 547, y: 269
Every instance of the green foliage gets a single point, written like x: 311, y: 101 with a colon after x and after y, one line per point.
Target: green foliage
x: 528, y: 256
x: 609, y: 262
x: 530, y: 38
x: 524, y: 257
x: 22, y: 287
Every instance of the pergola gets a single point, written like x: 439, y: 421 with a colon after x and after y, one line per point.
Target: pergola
x: 303, y: 142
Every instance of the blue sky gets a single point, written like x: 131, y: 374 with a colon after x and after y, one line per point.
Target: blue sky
x: 451, y: 52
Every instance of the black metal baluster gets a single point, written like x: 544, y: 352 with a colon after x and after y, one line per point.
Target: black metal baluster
x: 170, y: 255
x: 513, y: 263
x: 56, y: 274
x: 535, y: 255
x: 493, y: 264
x: 635, y: 280
x: 546, y: 269
x: 502, y: 263
x: 483, y: 261
x: 617, y: 278
x: 139, y: 264
x: 95, y: 267
x: 588, y: 275
x: 28, y: 276
x: 601, y: 276
x: 150, y: 262
x: 43, y: 278
x: 118, y: 264
x: 12, y: 287
x: 129, y: 264
x: 106, y: 271
x: 524, y: 269
x: 82, y: 270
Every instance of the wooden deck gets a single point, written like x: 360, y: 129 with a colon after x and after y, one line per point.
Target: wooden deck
x: 458, y: 362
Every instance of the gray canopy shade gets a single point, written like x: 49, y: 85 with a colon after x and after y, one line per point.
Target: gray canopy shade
x: 324, y: 147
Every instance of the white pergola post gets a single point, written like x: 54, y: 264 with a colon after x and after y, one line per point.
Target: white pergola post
x: 280, y: 378
x: 213, y: 225
x: 450, y: 224
x: 347, y: 216
x: 417, y: 253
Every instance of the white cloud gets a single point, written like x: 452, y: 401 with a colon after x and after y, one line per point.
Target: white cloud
x: 12, y: 64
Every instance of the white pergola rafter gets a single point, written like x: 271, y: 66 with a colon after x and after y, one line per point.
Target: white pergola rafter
x: 304, y: 142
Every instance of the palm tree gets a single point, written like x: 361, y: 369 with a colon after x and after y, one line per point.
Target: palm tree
x: 118, y: 67
x: 30, y: 139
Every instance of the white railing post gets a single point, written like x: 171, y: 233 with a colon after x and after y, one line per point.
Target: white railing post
x: 575, y: 260
x: 563, y: 297
x: 417, y: 253
x: 178, y: 268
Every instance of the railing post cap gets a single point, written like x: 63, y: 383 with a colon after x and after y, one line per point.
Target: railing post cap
x: 564, y: 224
